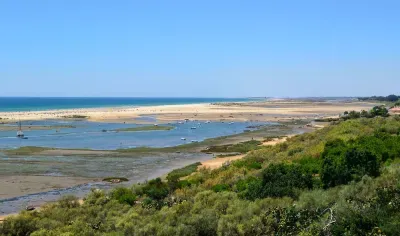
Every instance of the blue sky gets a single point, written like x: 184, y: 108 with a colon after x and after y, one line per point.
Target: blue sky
x: 199, y: 48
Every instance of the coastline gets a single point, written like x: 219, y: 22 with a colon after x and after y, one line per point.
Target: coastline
x: 282, y: 111
x: 276, y: 110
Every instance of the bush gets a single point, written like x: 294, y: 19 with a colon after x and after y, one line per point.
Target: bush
x: 342, y: 164
x: 124, y: 196
x: 278, y: 180
x: 220, y: 188
x: 21, y: 225
x: 156, y: 189
x: 379, y: 111
x: 242, y: 147
x: 176, y: 174
x: 247, y: 163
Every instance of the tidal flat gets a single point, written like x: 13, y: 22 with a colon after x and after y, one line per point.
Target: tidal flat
x: 35, y: 175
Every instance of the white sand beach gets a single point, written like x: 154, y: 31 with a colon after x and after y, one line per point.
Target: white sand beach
x: 256, y: 111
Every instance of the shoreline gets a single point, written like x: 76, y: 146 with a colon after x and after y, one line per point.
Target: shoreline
x: 213, y: 163
x: 276, y: 110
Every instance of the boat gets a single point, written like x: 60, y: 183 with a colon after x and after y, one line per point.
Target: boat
x: 183, y: 138
x: 193, y: 128
x: 20, y: 134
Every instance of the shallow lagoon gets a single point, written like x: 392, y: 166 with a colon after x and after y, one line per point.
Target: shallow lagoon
x: 90, y: 135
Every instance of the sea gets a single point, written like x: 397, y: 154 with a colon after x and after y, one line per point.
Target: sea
x: 9, y: 104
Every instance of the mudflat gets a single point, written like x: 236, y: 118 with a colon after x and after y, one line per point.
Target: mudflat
x: 14, y: 186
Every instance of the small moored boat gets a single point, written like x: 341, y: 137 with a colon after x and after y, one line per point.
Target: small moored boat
x: 20, y: 134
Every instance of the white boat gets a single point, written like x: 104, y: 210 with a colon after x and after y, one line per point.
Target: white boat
x: 207, y: 122
x: 183, y: 138
x: 20, y: 134
x: 193, y: 128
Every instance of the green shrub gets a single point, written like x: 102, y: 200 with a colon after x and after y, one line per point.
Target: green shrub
x: 21, y: 225
x: 342, y: 164
x: 123, y: 195
x: 242, y: 147
x: 220, y: 188
x: 278, y: 180
x: 247, y: 163
x: 176, y: 174
x: 310, y: 164
x: 294, y: 151
x: 156, y: 189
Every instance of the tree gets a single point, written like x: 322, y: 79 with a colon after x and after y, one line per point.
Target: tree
x: 379, y: 111
x: 392, y: 98
x: 342, y: 164
x: 280, y: 180
x: 156, y: 189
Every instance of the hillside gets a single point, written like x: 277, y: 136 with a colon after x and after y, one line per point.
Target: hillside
x: 339, y: 180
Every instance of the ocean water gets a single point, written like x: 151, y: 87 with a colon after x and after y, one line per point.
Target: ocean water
x: 51, y: 103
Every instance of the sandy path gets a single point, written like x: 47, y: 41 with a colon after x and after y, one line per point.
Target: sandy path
x: 276, y: 141
x: 218, y: 162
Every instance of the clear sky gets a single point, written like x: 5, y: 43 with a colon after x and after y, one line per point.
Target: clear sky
x: 201, y: 48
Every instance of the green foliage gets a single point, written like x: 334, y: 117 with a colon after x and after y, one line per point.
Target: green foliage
x: 390, y: 98
x: 379, y: 111
x: 68, y: 202
x: 21, y: 225
x: 359, y: 157
x: 242, y: 147
x: 342, y: 164
x: 182, y: 172
x: 220, y: 187
x: 310, y: 164
x: 247, y: 163
x: 374, y: 112
x: 279, y: 180
x: 123, y: 195
x: 156, y: 189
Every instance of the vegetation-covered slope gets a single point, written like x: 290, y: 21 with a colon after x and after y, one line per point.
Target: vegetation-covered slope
x: 340, y: 180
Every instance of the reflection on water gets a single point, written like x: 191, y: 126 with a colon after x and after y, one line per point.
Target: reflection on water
x: 92, y: 135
